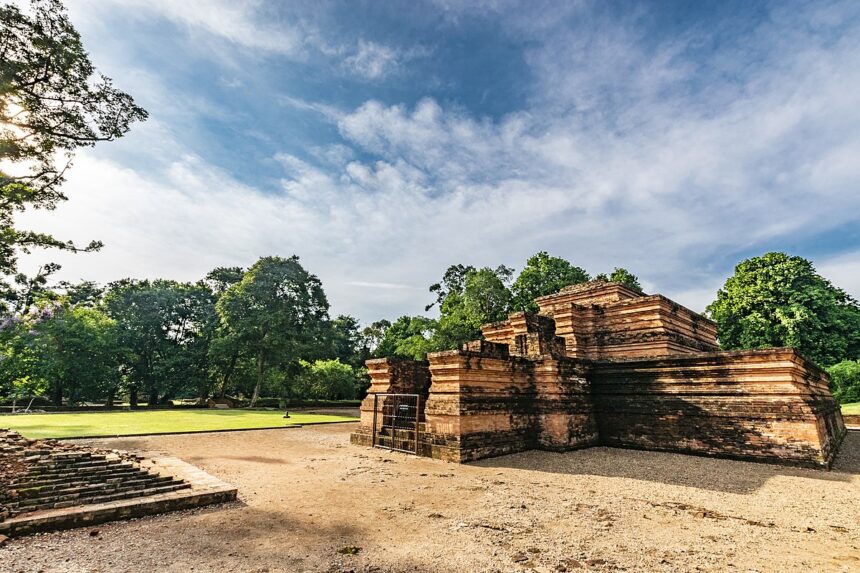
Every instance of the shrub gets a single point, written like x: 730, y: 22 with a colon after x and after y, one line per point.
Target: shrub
x: 845, y: 381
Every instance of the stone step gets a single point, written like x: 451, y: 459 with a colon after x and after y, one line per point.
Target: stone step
x: 48, y: 471
x: 85, y: 475
x: 131, y: 480
x: 111, y: 492
x: 141, y: 492
x: 48, y: 465
x: 76, y: 487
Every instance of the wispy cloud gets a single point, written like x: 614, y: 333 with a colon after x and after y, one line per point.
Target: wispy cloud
x: 671, y: 156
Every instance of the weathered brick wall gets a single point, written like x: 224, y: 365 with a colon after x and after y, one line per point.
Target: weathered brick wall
x: 481, y: 403
x: 391, y: 376
x: 763, y: 404
x: 394, y: 376
x: 601, y: 320
x: 563, y: 409
x: 605, y: 364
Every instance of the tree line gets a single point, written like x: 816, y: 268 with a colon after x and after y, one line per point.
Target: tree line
x: 468, y: 297
x: 266, y: 330
x: 261, y: 331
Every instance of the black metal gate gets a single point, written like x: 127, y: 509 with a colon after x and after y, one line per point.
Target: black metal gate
x: 395, y: 422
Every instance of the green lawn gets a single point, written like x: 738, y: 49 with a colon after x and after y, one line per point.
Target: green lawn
x: 154, y: 422
x: 852, y: 409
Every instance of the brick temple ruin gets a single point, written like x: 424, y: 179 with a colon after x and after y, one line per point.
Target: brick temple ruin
x: 601, y: 364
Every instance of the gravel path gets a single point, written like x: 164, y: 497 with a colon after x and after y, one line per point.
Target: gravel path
x: 311, y: 502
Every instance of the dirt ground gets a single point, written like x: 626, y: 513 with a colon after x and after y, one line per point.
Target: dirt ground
x: 311, y: 502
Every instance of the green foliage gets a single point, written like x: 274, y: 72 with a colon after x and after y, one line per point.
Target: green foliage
x: 408, y: 337
x: 276, y: 314
x: 348, y: 342
x: 778, y: 300
x: 52, y: 101
x: 62, y: 350
x: 328, y: 380
x: 543, y: 275
x: 374, y: 334
x: 77, y: 354
x: 845, y: 381
x: 482, y: 297
x: 623, y: 276
x: 164, y: 329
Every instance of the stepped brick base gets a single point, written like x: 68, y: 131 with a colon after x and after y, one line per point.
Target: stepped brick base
x: 47, y: 485
x: 602, y: 364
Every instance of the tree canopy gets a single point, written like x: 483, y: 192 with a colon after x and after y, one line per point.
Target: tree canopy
x: 845, y: 381
x: 780, y: 300
x: 52, y: 102
x: 275, y: 314
x: 623, y: 276
x: 543, y: 275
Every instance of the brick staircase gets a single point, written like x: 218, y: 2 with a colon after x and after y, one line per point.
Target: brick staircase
x: 57, y: 480
x: 48, y: 476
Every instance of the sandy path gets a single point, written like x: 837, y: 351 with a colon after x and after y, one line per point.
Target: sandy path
x: 306, y: 494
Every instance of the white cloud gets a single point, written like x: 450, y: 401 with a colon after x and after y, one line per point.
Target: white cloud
x: 842, y: 270
x: 373, y: 60
x: 245, y: 23
x: 658, y: 175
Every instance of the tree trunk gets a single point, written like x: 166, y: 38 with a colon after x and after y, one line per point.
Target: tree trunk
x: 260, y: 371
x: 57, y: 394
x: 132, y: 397
x: 110, y: 398
x: 228, y: 374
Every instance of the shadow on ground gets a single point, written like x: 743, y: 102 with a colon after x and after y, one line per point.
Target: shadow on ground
x: 678, y: 469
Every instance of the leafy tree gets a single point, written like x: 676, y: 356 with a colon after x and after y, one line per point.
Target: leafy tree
x: 85, y: 293
x: 453, y: 282
x: 348, y: 343
x: 225, y: 357
x: 845, y: 381
x: 779, y: 300
x: 484, y: 298
x: 327, y: 380
x: 374, y: 334
x: 623, y: 276
x: 18, y: 374
x: 52, y: 101
x: 408, y: 337
x: 164, y: 328
x: 76, y: 353
x: 277, y: 313
x: 543, y: 275
x: 221, y: 278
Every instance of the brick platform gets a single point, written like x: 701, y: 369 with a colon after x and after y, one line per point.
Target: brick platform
x: 47, y: 486
x: 602, y: 364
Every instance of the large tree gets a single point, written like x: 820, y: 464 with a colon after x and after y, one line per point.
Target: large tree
x: 484, y: 297
x: 407, y: 337
x: 277, y: 313
x: 52, y: 102
x: 348, y: 342
x: 543, y: 275
x: 164, y: 328
x: 77, y: 354
x: 780, y: 300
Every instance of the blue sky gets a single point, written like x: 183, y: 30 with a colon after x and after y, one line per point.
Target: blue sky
x: 384, y: 141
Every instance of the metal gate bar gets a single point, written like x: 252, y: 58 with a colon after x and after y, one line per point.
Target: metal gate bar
x: 395, y: 425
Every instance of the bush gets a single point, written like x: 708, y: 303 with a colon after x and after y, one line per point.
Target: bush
x: 845, y: 381
x: 327, y: 380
